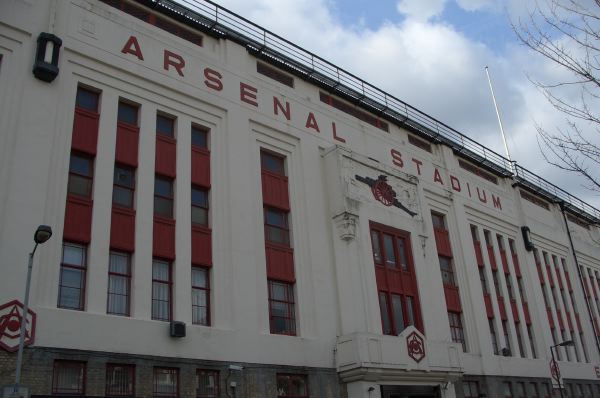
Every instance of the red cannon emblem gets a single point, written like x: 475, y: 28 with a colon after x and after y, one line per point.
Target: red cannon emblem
x: 416, y: 347
x: 11, y: 316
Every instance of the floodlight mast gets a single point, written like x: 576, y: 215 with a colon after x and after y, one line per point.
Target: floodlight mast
x: 512, y: 168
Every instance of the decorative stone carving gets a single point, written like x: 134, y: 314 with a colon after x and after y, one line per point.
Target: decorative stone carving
x: 346, y: 225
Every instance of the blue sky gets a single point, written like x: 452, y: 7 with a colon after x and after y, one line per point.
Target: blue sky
x: 432, y: 54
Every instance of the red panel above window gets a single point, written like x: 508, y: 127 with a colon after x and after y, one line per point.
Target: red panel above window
x: 165, y: 160
x: 550, y: 319
x: 442, y: 241
x: 164, y: 238
x: 540, y: 275
x: 526, y: 313
x: 201, y: 167
x: 78, y: 220
x: 85, y: 131
x: 490, y: 250
x: 488, y: 305
x: 502, y: 309
x: 478, y: 254
x: 452, y: 299
x: 127, y: 144
x: 568, y: 279
x: 280, y: 263
x: 549, y: 274
x: 578, y: 322
x: 201, y: 246
x: 516, y: 265
x: 122, y: 229
x: 275, y: 190
x: 504, y: 261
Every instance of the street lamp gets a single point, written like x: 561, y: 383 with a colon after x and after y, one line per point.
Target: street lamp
x: 566, y: 343
x: 42, y: 234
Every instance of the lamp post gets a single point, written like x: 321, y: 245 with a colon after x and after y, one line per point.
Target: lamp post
x: 566, y: 343
x: 42, y: 234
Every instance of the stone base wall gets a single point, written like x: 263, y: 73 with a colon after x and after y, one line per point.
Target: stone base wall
x: 254, y: 381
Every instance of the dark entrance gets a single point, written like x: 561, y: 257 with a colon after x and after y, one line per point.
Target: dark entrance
x: 411, y: 392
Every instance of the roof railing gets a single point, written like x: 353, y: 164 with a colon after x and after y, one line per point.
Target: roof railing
x: 216, y: 20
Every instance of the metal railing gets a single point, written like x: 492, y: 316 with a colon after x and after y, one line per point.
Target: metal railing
x: 220, y: 22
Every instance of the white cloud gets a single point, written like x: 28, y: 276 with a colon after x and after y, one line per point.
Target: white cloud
x: 421, y: 9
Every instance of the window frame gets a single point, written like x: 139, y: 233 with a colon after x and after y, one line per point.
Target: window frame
x: 131, y: 371
x: 265, y: 154
x: 215, y: 375
x: 119, y: 275
x: 124, y: 187
x: 169, y: 370
x: 165, y: 117
x: 83, y: 273
x: 457, y: 332
x: 206, y: 291
x: 58, y: 363
x: 169, y: 284
x: 204, y: 209
x: 289, y: 378
x: 134, y: 107
x: 95, y: 93
x: 204, y: 131
x: 88, y: 178
x: 170, y: 199
x: 473, y: 388
x: 284, y: 229
x: 290, y: 306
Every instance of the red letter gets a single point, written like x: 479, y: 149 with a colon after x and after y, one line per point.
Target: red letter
x: 213, y: 79
x: 277, y: 105
x: 455, y: 183
x: 397, y: 158
x: 335, y: 136
x: 170, y: 59
x: 437, y: 177
x: 136, y: 50
x: 497, y: 203
x: 248, y: 94
x: 484, y: 199
x: 418, y: 163
x: 311, y: 122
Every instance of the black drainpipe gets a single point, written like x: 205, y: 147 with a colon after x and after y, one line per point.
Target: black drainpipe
x: 587, y: 303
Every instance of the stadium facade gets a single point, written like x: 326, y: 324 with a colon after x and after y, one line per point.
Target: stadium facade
x: 235, y: 217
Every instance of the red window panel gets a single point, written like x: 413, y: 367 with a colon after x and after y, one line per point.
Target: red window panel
x: 477, y: 246
x: 540, y: 274
x: 119, y: 283
x: 165, y: 156
x: 526, y: 314
x: 200, y: 296
x: 85, y: 131
x: 502, y: 309
x: 456, y: 329
x: 68, y: 377
x: 515, y: 258
x: 120, y: 380
x: 442, y: 240
x: 489, y: 309
x: 282, y: 313
x: 200, y: 167
x: 207, y: 383
x: 549, y: 275
x: 201, y: 246
x: 452, y: 299
x: 515, y: 311
x: 490, y: 250
x: 280, y: 262
x: 561, y: 324
x: 162, y: 290
x: 165, y: 382
x: 122, y: 229
x: 126, y: 151
x: 292, y: 386
x: 395, y: 273
x: 164, y: 238
x: 550, y: 319
x: 275, y: 190
x: 71, y: 292
x: 504, y: 262
x: 78, y: 220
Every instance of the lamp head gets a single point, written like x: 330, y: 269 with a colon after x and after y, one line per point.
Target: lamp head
x: 567, y: 343
x: 42, y: 234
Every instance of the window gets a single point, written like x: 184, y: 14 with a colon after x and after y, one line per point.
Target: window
x: 87, y: 99
x: 120, y: 380
x: 161, y: 290
x: 81, y: 169
x: 123, y: 186
x: 271, y: 162
x: 68, y: 378
x: 292, y: 386
x: 200, y: 296
x: 165, y: 125
x: 199, y: 137
x: 127, y: 113
x: 438, y: 221
x: 497, y: 284
x: 447, y: 271
x: 163, y: 197
x: 71, y: 290
x: 520, y: 390
x: 546, y: 390
x: 509, y: 288
x: 199, y: 206
x: 276, y: 226
x: 482, y: 278
x: 166, y: 382
x: 119, y: 283
x: 533, y: 388
x: 471, y: 389
x: 519, y: 340
x: 506, y: 336
x: 274, y: 74
x: 456, y: 329
x: 506, y: 387
x: 207, y: 384
x: 493, y: 336
x: 281, y: 308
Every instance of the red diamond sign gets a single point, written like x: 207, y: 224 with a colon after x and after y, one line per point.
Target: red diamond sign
x: 11, y: 316
x: 416, y: 347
